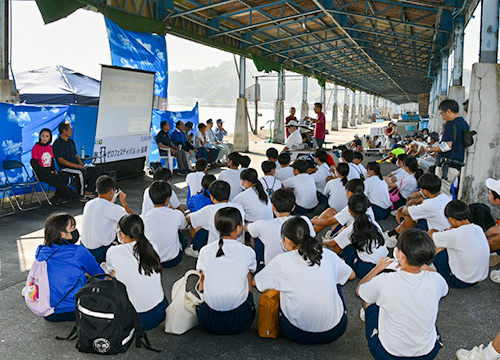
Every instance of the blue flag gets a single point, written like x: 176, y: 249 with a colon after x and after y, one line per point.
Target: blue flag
x: 141, y: 51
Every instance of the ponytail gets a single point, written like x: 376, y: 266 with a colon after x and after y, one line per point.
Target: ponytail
x: 250, y: 175
x: 412, y: 164
x: 343, y: 169
x: 375, y: 167
x: 149, y: 261
x: 297, y: 230
x: 226, y: 221
x: 220, y: 252
x: 365, y: 235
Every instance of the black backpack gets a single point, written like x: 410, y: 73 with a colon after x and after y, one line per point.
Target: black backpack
x: 467, y: 136
x: 106, y: 321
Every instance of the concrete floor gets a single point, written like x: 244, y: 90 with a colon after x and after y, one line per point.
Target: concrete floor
x: 465, y: 318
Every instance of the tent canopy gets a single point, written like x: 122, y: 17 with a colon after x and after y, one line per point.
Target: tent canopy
x: 57, y: 85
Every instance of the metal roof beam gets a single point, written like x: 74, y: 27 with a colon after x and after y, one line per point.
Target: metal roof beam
x: 200, y: 8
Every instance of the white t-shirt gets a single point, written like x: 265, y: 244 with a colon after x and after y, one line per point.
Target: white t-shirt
x: 468, y: 252
x: 147, y: 203
x: 204, y: 218
x: 408, y: 310
x: 345, y: 218
x: 284, y: 173
x: 294, y: 139
x: 269, y: 232
x: 377, y: 192
x: 407, y: 185
x: 166, y: 238
x: 198, y: 139
x: 254, y: 208
x: 226, y: 277
x: 100, y: 221
x: 193, y: 180
x: 304, y: 189
x: 432, y: 210
x: 320, y: 176
x: 121, y: 259
x: 308, y: 294
x: 232, y: 177
x: 354, y: 172
x: 399, y: 174
x: 270, y: 182
x: 360, y: 169
x: 337, y: 195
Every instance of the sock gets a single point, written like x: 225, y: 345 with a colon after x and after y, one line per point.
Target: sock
x: 489, y: 352
x: 393, y: 232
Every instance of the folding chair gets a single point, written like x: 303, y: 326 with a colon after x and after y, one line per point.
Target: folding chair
x: 4, y: 189
x: 11, y: 165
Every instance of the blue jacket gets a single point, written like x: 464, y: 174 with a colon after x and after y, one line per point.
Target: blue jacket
x: 66, y: 271
x: 178, y: 137
x: 198, y: 201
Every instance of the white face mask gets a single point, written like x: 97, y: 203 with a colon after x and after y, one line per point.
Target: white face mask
x: 115, y: 195
x: 397, y: 255
x: 282, y: 247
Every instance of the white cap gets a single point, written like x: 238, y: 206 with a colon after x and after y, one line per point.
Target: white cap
x: 493, y: 185
x: 356, y: 135
x: 292, y: 123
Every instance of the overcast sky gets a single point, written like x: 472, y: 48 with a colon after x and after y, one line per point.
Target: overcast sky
x: 79, y: 42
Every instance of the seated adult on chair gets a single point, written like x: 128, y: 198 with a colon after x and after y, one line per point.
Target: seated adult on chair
x: 164, y: 143
x: 69, y: 161
x: 295, y: 138
x: 45, y: 168
x: 180, y: 139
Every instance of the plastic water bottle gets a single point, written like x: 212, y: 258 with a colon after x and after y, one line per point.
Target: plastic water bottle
x: 82, y: 153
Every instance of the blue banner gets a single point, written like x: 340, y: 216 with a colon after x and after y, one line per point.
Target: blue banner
x: 142, y: 51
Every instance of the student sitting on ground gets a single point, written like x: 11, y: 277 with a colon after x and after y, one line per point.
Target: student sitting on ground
x: 226, y: 266
x: 266, y: 234
x: 285, y: 171
x: 361, y: 244
x: 429, y: 159
x: 462, y: 251
x: 312, y: 309
x: 429, y: 214
x: 393, y: 155
x: 335, y: 188
x: 358, y: 158
x: 169, y: 240
x: 137, y: 265
x: 401, y: 307
x: 322, y: 174
x: 232, y: 175
x: 493, y: 233
x: 165, y: 174
x: 337, y: 219
x: 203, y: 229
x: 303, y: 187
x: 245, y: 162
x: 408, y: 184
x: 100, y: 217
x: 272, y: 155
x: 67, y: 265
x: 269, y: 181
x: 202, y: 199
x: 193, y: 180
x: 397, y: 175
x: 348, y: 157
x: 253, y: 199
x: 377, y: 191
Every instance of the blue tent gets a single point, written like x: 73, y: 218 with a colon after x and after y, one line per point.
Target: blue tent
x: 57, y: 85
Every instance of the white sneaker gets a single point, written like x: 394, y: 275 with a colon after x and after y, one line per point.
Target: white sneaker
x: 328, y: 236
x: 390, y: 241
x: 362, y: 314
x: 189, y: 251
x: 475, y: 354
x: 393, y: 213
x: 495, y: 276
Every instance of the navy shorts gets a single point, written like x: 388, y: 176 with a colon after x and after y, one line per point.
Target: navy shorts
x: 441, y: 262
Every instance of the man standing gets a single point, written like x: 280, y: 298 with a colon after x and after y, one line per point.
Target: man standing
x: 69, y: 161
x: 180, y: 139
x: 451, y: 150
x: 290, y: 118
x: 164, y: 143
x: 320, y: 129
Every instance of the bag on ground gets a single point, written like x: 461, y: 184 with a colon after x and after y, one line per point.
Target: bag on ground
x: 181, y: 313
x: 268, y: 315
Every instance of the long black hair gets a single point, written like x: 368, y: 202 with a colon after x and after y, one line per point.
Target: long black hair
x: 365, y: 235
x: 149, y: 261
x: 250, y: 175
x: 40, y: 136
x: 54, y: 225
x: 375, y: 167
x: 205, y: 183
x: 412, y: 164
x: 343, y: 169
x: 226, y: 221
x: 297, y: 230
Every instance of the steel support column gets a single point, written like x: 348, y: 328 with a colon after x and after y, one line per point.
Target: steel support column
x: 304, y: 109
x: 488, y: 52
x: 335, y: 110
x: 458, y: 48
x: 444, y: 73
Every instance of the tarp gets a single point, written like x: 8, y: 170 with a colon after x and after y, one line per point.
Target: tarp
x: 262, y: 64
x: 57, y: 85
x: 142, y: 51
x: 53, y: 10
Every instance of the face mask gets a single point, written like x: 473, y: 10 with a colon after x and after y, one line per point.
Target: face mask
x: 242, y: 186
x: 75, y: 235
x: 115, y: 195
x: 282, y: 247
x: 396, y: 254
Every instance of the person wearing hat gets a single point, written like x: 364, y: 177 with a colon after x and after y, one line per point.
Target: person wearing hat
x: 290, y: 118
x: 356, y: 143
x: 295, y: 138
x: 429, y: 159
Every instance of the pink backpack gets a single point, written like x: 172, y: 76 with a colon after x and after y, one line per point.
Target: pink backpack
x: 37, y: 290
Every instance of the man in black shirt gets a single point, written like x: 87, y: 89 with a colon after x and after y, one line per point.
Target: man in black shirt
x: 69, y: 161
x: 164, y: 143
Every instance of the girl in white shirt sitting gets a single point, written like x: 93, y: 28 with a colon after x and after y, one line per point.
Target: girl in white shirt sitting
x: 361, y: 244
x: 226, y: 268
x: 335, y: 188
x: 402, y: 306
x: 137, y: 265
x: 377, y: 191
x: 312, y: 309
x: 408, y: 184
x: 253, y: 199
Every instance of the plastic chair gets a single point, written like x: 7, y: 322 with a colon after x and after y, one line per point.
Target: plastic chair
x: 10, y: 165
x: 4, y: 189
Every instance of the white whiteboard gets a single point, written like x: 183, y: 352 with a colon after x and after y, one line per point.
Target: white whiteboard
x: 125, y: 102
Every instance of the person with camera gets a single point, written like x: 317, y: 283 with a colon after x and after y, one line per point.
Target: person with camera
x: 451, y: 149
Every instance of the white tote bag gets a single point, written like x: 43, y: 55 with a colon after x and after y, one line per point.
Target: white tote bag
x: 181, y: 313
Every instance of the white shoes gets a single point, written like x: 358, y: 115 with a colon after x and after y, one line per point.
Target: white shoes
x: 475, y: 354
x: 393, y: 213
x: 390, y: 241
x: 189, y: 251
x: 362, y: 314
x: 495, y: 276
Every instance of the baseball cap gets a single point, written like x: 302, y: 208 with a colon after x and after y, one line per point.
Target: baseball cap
x: 493, y: 185
x: 219, y: 120
x: 292, y: 123
x: 356, y: 135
